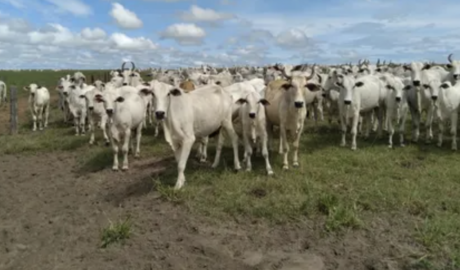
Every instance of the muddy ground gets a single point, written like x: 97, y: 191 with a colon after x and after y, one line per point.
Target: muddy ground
x: 52, y: 214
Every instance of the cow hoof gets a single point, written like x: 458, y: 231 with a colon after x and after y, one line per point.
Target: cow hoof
x: 296, y: 164
x: 137, y: 155
x: 124, y: 168
x: 115, y: 169
x: 270, y: 173
x: 107, y: 144
x: 285, y: 167
x: 390, y: 146
x: 202, y: 160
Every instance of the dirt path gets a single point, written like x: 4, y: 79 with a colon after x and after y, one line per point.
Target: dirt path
x: 51, y: 218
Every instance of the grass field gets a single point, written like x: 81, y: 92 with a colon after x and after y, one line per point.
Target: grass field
x: 375, y: 208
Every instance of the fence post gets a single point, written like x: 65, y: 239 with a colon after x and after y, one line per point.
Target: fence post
x: 13, y: 111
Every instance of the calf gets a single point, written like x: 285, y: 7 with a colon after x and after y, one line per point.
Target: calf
x: 252, y: 116
x: 39, y: 103
x: 96, y: 113
x: 77, y: 106
x: 396, y: 106
x: 126, y: 108
x: 195, y: 115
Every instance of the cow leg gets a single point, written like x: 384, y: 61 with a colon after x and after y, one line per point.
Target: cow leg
x: 429, y: 124
x: 264, y: 143
x: 453, y: 129
x: 40, y: 117
x: 47, y: 113
x: 115, y: 147
x: 104, y: 129
x: 368, y: 119
x: 228, y: 126
x: 354, y: 130
x: 82, y: 123
x: 247, y: 150
x: 343, y: 123
x: 296, y: 147
x: 204, y: 150
x: 125, y: 148
x: 402, y: 127
x: 137, y: 153
x: 92, y: 131
x: 77, y: 126
x: 390, y: 128
x: 440, y: 132
x: 220, y: 144
x: 284, y: 143
x: 182, y: 154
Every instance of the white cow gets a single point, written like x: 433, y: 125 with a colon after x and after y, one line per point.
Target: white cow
x: 287, y: 109
x: 422, y: 75
x: 447, y: 101
x: 253, y: 121
x: 194, y: 115
x: 396, y: 106
x: 77, y: 106
x: 358, y: 96
x: 126, y: 107
x: 96, y: 113
x: 39, y: 103
x: 3, y: 92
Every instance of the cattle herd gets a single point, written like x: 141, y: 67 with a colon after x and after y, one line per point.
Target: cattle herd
x: 192, y: 104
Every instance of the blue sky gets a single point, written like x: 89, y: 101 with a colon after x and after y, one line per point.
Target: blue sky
x: 88, y: 34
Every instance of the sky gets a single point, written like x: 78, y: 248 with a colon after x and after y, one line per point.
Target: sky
x: 100, y: 34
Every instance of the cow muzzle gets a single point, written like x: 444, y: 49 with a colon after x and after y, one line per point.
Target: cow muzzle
x: 416, y: 83
x: 398, y: 99
x: 347, y: 102
x: 90, y: 109
x: 434, y: 98
x: 252, y: 115
x: 298, y: 104
x: 109, y: 112
x: 456, y: 76
x: 160, y: 115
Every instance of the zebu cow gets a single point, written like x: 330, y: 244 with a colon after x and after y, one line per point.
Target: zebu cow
x: 191, y: 116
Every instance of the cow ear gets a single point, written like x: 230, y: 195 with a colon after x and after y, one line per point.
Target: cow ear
x: 98, y: 98
x: 264, y: 102
x: 286, y: 86
x: 426, y: 86
x: 120, y: 99
x: 82, y: 96
x: 72, y: 87
x: 145, y: 91
x: 407, y: 87
x: 175, y: 92
x: 103, y: 84
x: 241, y: 101
x: 26, y: 88
x: 444, y: 85
x: 218, y: 83
x: 313, y: 87
x: 449, y: 66
x: 359, y: 84
x: 427, y: 66
x: 146, y: 84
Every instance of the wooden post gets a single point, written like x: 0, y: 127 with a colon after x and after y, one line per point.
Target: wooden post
x: 13, y: 111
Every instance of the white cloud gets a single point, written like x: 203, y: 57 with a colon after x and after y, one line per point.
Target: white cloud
x: 184, y: 33
x: 122, y: 41
x: 198, y: 14
x: 293, y: 38
x: 75, y: 7
x: 125, y: 18
x: 14, y: 3
x: 92, y: 34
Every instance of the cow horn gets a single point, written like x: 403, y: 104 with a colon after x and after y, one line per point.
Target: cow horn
x: 133, y: 66
x: 123, y: 66
x: 450, y: 58
x: 283, y: 70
